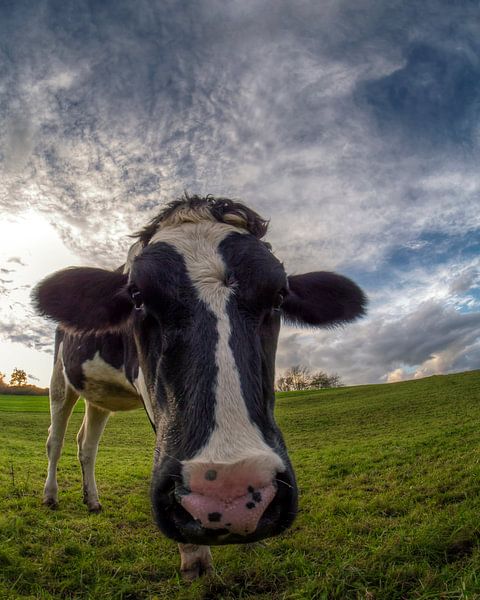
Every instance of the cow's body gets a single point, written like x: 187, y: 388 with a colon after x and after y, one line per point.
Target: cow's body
x: 189, y: 331
x: 101, y: 368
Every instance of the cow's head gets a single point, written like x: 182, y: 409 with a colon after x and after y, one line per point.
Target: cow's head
x: 204, y: 297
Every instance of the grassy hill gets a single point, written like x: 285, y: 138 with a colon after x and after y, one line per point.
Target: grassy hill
x: 389, y: 477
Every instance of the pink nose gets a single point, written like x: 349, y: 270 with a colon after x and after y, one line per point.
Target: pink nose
x: 231, y: 497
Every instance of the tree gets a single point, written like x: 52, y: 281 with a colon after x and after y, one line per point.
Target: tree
x: 324, y: 380
x: 2, y: 379
x: 296, y: 378
x: 299, y: 377
x: 319, y: 380
x: 335, y: 381
x: 18, y: 377
x: 284, y: 384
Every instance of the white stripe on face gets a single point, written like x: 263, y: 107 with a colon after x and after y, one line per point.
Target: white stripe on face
x: 134, y: 251
x: 142, y: 389
x: 234, y: 437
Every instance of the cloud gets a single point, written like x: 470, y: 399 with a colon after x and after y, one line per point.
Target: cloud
x: 432, y: 98
x: 17, y: 260
x: 33, y: 333
x: 430, y: 339
x: 397, y: 375
x: 464, y: 281
x: 131, y: 117
x: 354, y: 128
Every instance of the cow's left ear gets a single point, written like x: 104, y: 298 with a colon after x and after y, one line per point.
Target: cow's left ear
x: 322, y: 299
x: 84, y: 299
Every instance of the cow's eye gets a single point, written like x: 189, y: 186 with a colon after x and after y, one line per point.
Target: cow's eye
x: 136, y: 297
x: 279, y: 298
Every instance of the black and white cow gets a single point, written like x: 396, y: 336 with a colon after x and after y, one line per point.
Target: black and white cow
x: 189, y: 328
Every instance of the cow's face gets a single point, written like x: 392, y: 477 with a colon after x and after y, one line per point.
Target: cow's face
x: 204, y: 303
x: 206, y: 328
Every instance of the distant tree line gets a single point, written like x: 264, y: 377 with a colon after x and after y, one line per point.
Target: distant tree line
x: 300, y: 377
x: 19, y: 385
x: 296, y: 378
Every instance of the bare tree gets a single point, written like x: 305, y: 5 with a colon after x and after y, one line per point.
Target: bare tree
x: 282, y: 384
x: 299, y: 378
x: 296, y: 378
x: 335, y: 381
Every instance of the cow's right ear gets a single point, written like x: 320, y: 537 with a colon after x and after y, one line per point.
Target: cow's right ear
x: 84, y: 299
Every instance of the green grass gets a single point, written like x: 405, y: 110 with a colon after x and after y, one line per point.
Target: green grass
x: 29, y: 404
x: 389, y: 477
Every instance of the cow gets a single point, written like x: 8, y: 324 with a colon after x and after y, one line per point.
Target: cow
x: 188, y: 328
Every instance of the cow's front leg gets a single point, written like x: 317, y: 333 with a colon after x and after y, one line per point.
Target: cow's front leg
x: 195, y: 561
x: 62, y: 401
x: 88, y: 438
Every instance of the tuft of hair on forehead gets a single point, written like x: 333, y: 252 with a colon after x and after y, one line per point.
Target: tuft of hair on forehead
x: 194, y: 209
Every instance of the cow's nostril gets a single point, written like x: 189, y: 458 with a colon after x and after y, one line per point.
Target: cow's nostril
x: 214, y: 517
x: 211, y: 475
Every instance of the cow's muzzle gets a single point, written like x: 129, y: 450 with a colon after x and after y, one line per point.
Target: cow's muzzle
x: 217, y: 503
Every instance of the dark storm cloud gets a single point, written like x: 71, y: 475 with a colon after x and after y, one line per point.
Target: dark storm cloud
x: 424, y: 333
x: 432, y: 99
x: 353, y: 126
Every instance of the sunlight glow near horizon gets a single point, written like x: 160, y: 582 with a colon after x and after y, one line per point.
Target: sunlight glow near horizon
x: 30, y: 249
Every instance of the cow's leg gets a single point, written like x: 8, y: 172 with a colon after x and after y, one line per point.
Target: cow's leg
x: 62, y: 401
x: 195, y: 561
x: 88, y: 438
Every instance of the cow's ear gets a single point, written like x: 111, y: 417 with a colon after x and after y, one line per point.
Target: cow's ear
x: 84, y: 299
x: 322, y: 299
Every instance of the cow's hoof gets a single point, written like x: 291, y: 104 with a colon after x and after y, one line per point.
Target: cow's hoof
x: 198, y: 569
x: 195, y: 561
x: 94, y: 507
x: 51, y: 503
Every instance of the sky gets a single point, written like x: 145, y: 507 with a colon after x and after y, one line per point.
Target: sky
x: 353, y: 126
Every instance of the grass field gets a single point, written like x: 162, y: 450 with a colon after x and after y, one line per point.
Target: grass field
x: 389, y: 477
